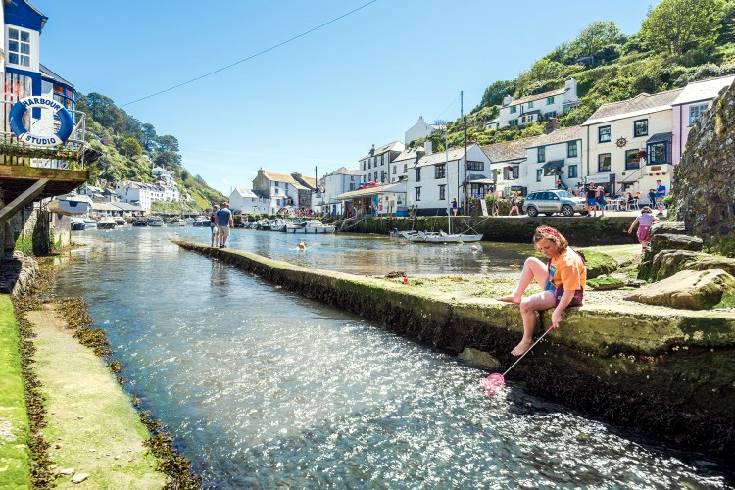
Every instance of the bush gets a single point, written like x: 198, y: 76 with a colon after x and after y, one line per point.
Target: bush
x: 503, y: 204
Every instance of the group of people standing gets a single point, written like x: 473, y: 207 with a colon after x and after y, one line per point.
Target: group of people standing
x: 220, y: 222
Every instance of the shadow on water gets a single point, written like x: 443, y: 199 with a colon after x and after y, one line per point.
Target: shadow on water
x: 262, y: 388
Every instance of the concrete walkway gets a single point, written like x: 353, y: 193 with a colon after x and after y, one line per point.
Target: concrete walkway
x: 92, y: 427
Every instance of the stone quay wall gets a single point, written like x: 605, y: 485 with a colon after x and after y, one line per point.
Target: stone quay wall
x: 665, y: 373
x: 580, y: 231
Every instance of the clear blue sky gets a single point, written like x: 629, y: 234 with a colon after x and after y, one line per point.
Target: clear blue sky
x: 321, y: 100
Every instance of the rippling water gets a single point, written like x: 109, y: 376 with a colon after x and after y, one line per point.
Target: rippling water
x: 262, y: 388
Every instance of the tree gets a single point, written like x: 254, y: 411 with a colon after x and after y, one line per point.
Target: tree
x: 167, y: 159
x: 595, y: 38
x: 149, y: 136
x: 676, y: 26
x: 168, y: 143
x: 130, y: 147
x: 495, y: 92
x: 542, y: 71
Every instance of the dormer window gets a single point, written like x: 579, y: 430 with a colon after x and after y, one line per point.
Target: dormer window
x: 19, y: 47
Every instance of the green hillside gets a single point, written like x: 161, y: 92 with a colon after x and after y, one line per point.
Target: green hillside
x: 130, y: 148
x: 679, y: 41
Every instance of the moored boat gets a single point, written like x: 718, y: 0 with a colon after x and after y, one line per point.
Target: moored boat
x: 106, y: 223
x: 155, y: 221
x: 316, y: 226
x: 78, y: 224
x: 201, y: 221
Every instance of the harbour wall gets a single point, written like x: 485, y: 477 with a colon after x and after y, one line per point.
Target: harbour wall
x: 666, y: 373
x: 578, y: 230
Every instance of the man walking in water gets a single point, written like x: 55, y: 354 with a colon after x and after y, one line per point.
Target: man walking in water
x: 224, y: 223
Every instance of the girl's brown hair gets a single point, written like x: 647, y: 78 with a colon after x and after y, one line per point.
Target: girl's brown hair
x: 552, y: 234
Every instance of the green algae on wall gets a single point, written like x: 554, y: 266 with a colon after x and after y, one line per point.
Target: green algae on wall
x: 14, y: 452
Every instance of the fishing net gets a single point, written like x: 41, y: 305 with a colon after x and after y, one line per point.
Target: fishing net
x: 493, y: 383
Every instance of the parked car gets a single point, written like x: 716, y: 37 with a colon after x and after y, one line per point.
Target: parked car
x: 553, y: 201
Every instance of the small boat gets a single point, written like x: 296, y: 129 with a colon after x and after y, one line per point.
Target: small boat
x: 263, y: 224
x: 176, y: 222
x: 316, y: 226
x: 155, y: 221
x: 89, y: 223
x: 421, y: 236
x: 278, y: 225
x: 120, y: 222
x: 189, y: 221
x: 201, y: 221
x: 78, y: 224
x: 140, y: 222
x: 293, y: 227
x: 453, y: 238
x: 106, y: 223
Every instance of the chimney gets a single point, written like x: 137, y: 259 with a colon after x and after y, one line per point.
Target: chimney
x: 372, y: 151
x: 570, y: 86
x: 551, y: 125
x: 507, y: 100
x: 428, y: 147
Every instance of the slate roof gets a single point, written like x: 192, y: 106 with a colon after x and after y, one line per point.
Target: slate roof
x: 509, y: 150
x: 245, y: 192
x: 408, y: 154
x: 560, y: 135
x: 535, y: 97
x: 54, y: 76
x: 441, y: 157
x: 640, y: 104
x: 278, y: 177
x: 394, y: 187
x: 393, y: 146
x: 703, y: 90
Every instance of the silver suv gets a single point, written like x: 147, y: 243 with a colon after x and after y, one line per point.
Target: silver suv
x: 553, y: 201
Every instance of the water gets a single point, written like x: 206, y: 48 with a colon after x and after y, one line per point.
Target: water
x: 262, y: 388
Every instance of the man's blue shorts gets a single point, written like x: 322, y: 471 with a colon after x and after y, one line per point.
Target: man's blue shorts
x: 591, y: 201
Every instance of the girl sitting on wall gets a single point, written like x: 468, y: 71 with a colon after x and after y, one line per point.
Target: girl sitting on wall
x: 562, y: 279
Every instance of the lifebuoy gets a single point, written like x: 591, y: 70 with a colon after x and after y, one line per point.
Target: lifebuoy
x: 17, y: 114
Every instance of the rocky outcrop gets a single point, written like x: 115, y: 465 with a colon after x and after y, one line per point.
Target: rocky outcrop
x: 703, y: 188
x: 672, y: 227
x: 668, y: 262
x: 18, y: 275
x: 690, y: 290
x: 668, y: 241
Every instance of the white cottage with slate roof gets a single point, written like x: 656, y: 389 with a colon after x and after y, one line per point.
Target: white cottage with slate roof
x: 538, y: 107
x: 629, y: 143
x: 437, y: 179
x: 554, y: 160
x: 407, y: 159
x: 375, y: 166
x: 508, y: 165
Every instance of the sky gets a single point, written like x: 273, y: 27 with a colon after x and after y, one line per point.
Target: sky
x: 320, y: 101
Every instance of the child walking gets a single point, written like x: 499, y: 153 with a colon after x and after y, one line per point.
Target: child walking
x: 645, y: 221
x: 562, y: 279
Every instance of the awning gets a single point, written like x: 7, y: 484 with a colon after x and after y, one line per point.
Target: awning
x: 482, y: 181
x: 395, y: 188
x: 556, y: 165
x: 659, y: 138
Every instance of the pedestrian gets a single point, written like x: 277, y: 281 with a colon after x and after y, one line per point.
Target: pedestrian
x: 652, y: 198
x: 513, y: 204
x: 660, y: 194
x: 600, y: 198
x: 224, y: 223
x: 455, y: 208
x: 213, y: 225
x: 628, y: 201
x: 562, y: 279
x: 645, y: 221
x: 591, y: 201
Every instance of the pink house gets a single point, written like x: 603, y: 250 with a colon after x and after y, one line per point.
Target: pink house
x: 688, y: 107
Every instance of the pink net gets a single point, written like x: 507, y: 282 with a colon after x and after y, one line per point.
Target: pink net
x: 493, y: 383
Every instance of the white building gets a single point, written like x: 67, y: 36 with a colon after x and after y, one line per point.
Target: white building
x: 554, y: 160
x: 508, y: 166
x: 144, y: 194
x: 163, y: 175
x: 407, y: 158
x: 439, y: 178
x: 334, y: 184
x: 280, y: 190
x: 376, y: 166
x: 421, y: 129
x: 380, y: 200
x: 689, y: 106
x: 75, y: 204
x: 247, y: 202
x: 629, y: 143
x: 538, y: 107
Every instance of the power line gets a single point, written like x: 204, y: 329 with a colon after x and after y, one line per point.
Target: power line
x: 255, y: 55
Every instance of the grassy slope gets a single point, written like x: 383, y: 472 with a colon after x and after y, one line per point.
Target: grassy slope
x: 14, y: 454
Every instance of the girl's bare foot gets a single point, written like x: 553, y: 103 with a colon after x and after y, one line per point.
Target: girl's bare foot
x: 522, y: 347
x: 515, y: 299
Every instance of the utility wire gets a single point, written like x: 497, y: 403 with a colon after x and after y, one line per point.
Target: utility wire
x: 255, y: 55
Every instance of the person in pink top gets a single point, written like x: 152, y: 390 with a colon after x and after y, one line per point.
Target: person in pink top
x: 645, y: 221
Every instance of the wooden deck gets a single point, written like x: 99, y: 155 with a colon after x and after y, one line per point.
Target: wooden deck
x: 16, y: 179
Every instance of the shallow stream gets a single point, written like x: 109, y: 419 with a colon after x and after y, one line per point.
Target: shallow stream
x: 262, y: 388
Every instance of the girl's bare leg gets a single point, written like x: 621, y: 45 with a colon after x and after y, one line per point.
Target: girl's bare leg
x: 533, y: 268
x: 529, y: 306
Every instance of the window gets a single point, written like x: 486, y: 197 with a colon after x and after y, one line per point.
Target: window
x: 632, y: 160
x: 382, y: 176
x: 381, y: 160
x: 572, y: 171
x: 395, y: 170
x: 476, y: 166
x: 375, y: 176
x: 571, y: 149
x: 604, y: 162
x: 539, y: 172
x: 695, y: 112
x: 514, y: 122
x: 19, y: 47
x: 640, y: 128
x: 530, y: 105
x: 363, y: 165
x: 418, y: 194
x: 442, y: 192
x: 418, y: 174
x: 550, y: 114
x: 368, y: 163
x: 604, y: 134
x: 541, y: 154
x: 549, y: 100
x: 657, y: 154
x: 440, y: 171
x: 512, y: 109
x: 275, y: 184
x: 352, y: 186
x: 405, y: 168
x: 515, y: 172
